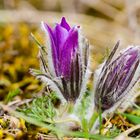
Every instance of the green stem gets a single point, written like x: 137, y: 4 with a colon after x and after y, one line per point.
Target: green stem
x: 68, y: 109
x: 93, y: 119
x: 100, y: 116
x: 95, y: 116
x: 85, y: 125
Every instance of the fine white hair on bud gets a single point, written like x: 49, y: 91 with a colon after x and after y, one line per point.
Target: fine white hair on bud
x: 117, y: 77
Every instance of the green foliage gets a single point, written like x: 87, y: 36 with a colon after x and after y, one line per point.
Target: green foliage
x: 93, y: 119
x: 11, y: 95
x: 134, y: 119
x: 82, y: 110
x: 113, y: 132
x: 136, y: 112
x: 41, y: 108
x: 57, y: 130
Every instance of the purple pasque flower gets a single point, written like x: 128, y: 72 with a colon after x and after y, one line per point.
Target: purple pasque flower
x: 117, y: 77
x: 64, y: 59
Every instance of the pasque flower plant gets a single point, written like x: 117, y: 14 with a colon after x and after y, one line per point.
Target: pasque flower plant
x: 64, y: 66
x: 117, y: 77
x: 64, y: 60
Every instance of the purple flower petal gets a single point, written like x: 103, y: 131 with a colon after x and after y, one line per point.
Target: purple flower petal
x: 68, y: 51
x: 65, y: 24
x: 53, y: 46
x: 61, y: 35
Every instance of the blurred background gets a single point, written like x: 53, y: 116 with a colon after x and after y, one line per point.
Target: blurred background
x: 104, y: 22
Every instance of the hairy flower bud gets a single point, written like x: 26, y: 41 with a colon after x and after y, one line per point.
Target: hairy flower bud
x: 117, y: 77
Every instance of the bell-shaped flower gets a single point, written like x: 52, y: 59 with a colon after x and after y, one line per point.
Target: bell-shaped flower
x: 117, y: 77
x: 64, y: 60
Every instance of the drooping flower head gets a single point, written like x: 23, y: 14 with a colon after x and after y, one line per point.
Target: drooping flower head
x: 64, y: 59
x: 117, y: 77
